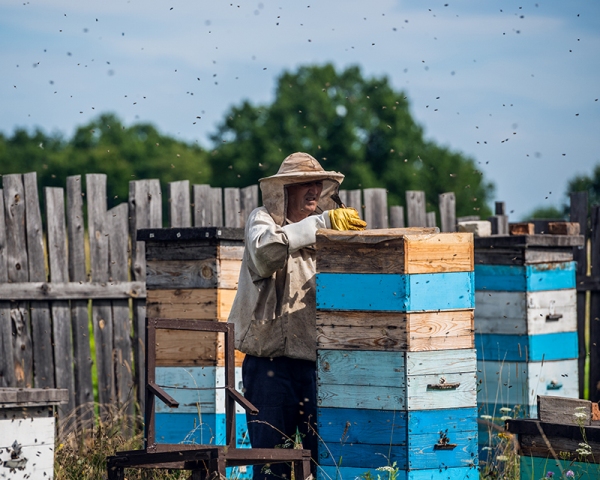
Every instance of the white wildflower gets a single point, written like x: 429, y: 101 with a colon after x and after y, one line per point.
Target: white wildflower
x: 506, y: 410
x: 486, y: 417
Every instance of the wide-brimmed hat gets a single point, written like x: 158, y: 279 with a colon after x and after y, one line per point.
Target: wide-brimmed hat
x: 298, y: 167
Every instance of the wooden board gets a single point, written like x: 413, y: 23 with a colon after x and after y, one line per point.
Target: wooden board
x: 531, y: 278
x: 185, y: 348
x: 523, y: 348
x: 208, y: 273
x: 395, y: 292
x: 396, y: 380
x: 571, y: 411
x: 395, y: 331
x: 350, y: 425
x: 503, y: 241
x: 563, y: 228
x: 522, y: 255
x: 526, y: 313
x: 523, y: 228
x: 395, y: 251
x: 201, y: 304
x: 519, y: 383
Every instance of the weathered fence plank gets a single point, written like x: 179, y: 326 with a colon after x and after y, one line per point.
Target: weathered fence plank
x: 118, y: 242
x: 415, y: 208
x: 208, y: 206
x: 232, y: 207
x: 41, y: 324
x: 18, y: 272
x: 179, y: 204
x: 101, y: 309
x: 72, y: 291
x: 7, y: 361
x: 397, y: 216
x: 595, y: 308
x: 144, y: 212
x: 353, y: 199
x: 84, y: 394
x: 447, y: 205
x: 248, y: 202
x: 376, y: 214
x: 61, y: 318
x: 430, y: 219
x: 579, y: 214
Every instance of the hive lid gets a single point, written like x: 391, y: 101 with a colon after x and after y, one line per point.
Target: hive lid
x: 375, y: 235
x: 189, y: 233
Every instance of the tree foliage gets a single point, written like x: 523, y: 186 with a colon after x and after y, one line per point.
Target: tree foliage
x: 359, y: 126
x: 104, y: 145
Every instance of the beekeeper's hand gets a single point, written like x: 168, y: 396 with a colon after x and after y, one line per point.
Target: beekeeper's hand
x: 346, y: 219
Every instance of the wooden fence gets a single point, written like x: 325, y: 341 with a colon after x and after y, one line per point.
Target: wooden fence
x: 52, y: 285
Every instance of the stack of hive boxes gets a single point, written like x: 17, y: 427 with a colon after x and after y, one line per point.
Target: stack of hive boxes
x: 192, y: 273
x: 396, y: 363
x: 525, y: 323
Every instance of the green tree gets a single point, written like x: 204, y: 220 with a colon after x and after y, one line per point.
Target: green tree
x: 359, y: 126
x: 105, y: 145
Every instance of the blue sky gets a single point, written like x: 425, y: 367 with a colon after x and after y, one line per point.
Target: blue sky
x: 518, y: 82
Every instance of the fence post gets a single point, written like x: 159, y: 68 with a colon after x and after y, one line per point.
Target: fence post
x: 376, y: 214
x: 248, y: 202
x: 397, y: 216
x: 18, y: 272
x: 352, y: 198
x: 61, y: 319
x: 144, y: 212
x: 232, y: 207
x: 595, y: 308
x: 84, y: 394
x: 208, y: 206
x: 579, y: 214
x: 7, y: 364
x: 118, y: 242
x: 431, y: 220
x: 415, y: 208
x: 101, y: 309
x: 447, y: 203
x: 179, y: 204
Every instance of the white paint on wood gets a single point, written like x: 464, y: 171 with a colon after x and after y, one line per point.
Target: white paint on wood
x: 526, y: 313
x: 36, y: 436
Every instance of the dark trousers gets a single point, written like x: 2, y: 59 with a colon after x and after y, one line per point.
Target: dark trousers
x: 285, y: 392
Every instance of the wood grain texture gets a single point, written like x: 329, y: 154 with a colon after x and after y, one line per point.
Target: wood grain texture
x: 364, y: 368
x: 537, y: 240
x: 61, y: 315
x: 570, y: 411
x: 394, y: 251
x: 447, y: 205
x: 233, y: 210
x: 563, y: 228
x: 72, y: 290
x: 446, y: 252
x: 395, y: 292
x: 7, y: 367
x: 179, y: 204
x: 375, y: 205
x: 102, y: 317
x: 207, y: 304
x: 389, y: 331
x: 248, y: 202
x: 531, y: 278
x: 415, y: 208
x: 118, y: 256
x: 522, y: 255
x: 185, y: 348
x: 525, y: 313
x: 17, y: 272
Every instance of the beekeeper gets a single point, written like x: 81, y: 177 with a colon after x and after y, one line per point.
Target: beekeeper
x: 274, y: 309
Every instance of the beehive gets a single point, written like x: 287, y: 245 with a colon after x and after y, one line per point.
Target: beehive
x: 525, y: 323
x: 396, y: 360
x: 192, y: 273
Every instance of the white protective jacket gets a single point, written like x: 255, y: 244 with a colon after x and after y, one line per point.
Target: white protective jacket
x: 275, y: 305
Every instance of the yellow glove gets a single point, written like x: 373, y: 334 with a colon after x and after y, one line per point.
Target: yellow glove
x: 346, y: 219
